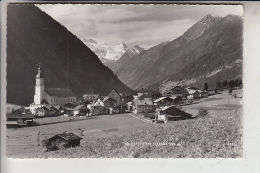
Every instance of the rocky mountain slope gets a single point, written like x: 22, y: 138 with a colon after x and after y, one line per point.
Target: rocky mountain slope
x: 33, y: 37
x: 106, y: 52
x: 211, y: 49
x: 130, y: 53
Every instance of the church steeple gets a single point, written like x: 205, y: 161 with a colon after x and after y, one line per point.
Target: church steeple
x: 39, y: 75
x: 39, y: 87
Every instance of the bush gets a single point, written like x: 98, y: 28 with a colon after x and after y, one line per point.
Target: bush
x: 146, y: 114
x: 152, y: 116
x: 202, y: 113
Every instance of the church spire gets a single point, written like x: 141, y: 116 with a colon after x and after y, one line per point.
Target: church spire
x: 39, y: 75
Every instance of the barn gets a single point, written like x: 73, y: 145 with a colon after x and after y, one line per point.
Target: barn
x: 64, y: 140
x: 173, y: 112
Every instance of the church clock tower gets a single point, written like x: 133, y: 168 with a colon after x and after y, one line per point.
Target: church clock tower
x: 39, y: 88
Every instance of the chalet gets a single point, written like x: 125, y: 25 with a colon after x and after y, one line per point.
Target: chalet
x: 97, y: 109
x: 91, y: 97
x: 177, y: 91
x: 142, y: 106
x: 81, y: 110
x: 118, y: 109
x: 109, y: 102
x: 193, y: 94
x: 164, y: 101
x: 64, y: 140
x: 172, y: 111
x: 116, y: 96
x: 46, y: 110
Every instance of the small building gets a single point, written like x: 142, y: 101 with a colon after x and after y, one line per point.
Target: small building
x: 118, y: 109
x: 114, y: 94
x: 81, y: 110
x: 91, y: 97
x: 172, y: 111
x: 42, y: 111
x: 109, y: 102
x: 193, y: 94
x: 143, y: 106
x: 64, y: 140
x: 177, y: 91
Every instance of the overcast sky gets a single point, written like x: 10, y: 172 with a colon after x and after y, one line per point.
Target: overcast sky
x: 143, y: 25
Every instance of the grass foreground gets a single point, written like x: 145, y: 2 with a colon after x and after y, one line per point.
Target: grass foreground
x: 213, y: 136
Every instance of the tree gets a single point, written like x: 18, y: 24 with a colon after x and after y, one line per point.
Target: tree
x: 224, y: 83
x: 231, y: 84
x: 218, y: 84
x: 205, y: 87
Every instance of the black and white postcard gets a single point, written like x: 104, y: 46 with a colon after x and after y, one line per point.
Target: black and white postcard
x: 124, y: 81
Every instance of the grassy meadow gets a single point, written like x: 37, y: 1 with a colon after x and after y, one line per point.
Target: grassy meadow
x: 215, y: 135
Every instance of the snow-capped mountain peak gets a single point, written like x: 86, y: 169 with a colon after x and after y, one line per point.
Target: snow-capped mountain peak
x: 106, y: 52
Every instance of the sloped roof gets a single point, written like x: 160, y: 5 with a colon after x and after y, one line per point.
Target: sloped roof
x: 67, y: 136
x: 90, y: 96
x: 143, y: 102
x: 107, y: 98
x: 176, y: 88
x: 162, y: 98
x: 44, y: 102
x: 59, y: 92
x: 79, y: 107
x: 115, y: 92
x: 163, y: 108
x: 192, y: 91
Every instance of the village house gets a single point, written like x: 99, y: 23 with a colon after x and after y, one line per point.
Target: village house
x: 91, y: 97
x: 108, y: 102
x: 117, y: 109
x: 143, y: 106
x: 116, y: 96
x: 81, y: 110
x: 172, y: 111
x: 49, y: 96
x: 64, y: 140
x: 193, y: 94
x: 46, y: 111
x: 177, y: 91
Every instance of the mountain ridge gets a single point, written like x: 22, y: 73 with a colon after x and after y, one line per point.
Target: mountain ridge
x: 178, y: 59
x: 33, y: 37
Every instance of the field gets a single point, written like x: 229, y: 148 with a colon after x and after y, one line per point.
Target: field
x: 122, y: 135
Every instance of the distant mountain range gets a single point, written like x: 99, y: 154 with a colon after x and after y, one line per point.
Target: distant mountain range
x: 210, y: 50
x: 130, y: 53
x: 34, y: 37
x: 106, y: 52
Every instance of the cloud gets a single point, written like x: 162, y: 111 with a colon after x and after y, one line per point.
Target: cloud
x: 146, y: 25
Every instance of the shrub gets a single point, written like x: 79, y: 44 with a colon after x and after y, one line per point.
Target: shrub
x: 152, y: 116
x: 202, y: 112
x: 146, y: 114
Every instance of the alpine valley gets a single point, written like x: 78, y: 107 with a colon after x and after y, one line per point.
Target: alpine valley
x: 210, y: 50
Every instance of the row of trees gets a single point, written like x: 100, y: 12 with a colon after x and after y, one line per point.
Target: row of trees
x: 228, y: 84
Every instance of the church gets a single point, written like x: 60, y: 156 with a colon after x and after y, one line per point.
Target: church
x: 50, y: 96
